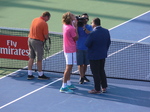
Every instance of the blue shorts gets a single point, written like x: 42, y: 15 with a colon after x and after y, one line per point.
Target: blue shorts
x: 82, y: 57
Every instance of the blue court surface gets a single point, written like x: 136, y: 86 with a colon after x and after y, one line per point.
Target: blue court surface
x: 17, y: 94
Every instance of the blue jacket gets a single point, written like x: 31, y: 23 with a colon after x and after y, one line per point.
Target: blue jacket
x: 98, y: 43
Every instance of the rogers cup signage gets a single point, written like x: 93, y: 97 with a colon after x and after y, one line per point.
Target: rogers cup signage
x: 13, y: 47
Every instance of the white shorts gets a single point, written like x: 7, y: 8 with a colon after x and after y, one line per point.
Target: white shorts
x: 70, y: 58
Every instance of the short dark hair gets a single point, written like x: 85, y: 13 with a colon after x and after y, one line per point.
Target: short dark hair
x: 97, y: 21
x: 85, y: 14
x: 46, y: 14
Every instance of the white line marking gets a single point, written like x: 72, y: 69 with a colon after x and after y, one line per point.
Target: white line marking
x: 129, y: 20
x: 27, y: 66
x: 127, y: 46
x: 9, y: 74
x: 109, y: 29
x: 121, y: 49
x: 30, y: 93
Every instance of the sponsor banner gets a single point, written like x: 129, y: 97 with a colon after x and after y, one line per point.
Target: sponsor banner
x: 14, y: 47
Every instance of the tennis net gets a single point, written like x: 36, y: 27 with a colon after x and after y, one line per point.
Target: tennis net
x: 126, y: 59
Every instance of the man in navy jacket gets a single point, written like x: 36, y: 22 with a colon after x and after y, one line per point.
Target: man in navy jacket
x: 98, y: 43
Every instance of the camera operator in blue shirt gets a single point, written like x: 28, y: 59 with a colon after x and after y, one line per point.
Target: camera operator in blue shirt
x: 83, y: 31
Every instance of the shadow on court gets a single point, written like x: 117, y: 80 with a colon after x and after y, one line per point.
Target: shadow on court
x: 120, y: 91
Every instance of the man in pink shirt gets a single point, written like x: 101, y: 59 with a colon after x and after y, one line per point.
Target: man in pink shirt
x: 70, y: 36
x: 69, y: 42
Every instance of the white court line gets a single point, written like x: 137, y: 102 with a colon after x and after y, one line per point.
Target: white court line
x: 128, y: 45
x: 129, y: 20
x: 9, y: 74
x: 109, y: 29
x: 122, y: 50
x: 30, y: 93
x: 27, y: 66
x: 74, y: 71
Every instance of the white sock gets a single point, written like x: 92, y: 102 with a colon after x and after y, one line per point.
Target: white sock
x: 64, y: 85
x: 68, y: 82
x: 40, y: 73
x: 29, y: 72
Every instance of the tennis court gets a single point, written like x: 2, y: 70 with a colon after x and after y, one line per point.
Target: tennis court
x: 128, y: 59
x: 19, y: 94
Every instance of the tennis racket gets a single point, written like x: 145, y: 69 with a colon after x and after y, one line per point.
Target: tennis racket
x: 47, y: 45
